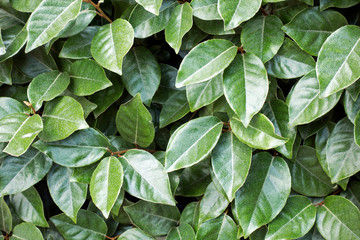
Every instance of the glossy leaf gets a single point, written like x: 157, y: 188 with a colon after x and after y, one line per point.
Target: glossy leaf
x: 9, y: 106
x: 5, y: 69
x: 222, y: 227
x: 337, y: 3
x: 183, y: 231
x: 25, y: 5
x: 353, y: 193
x: 135, y: 234
x: 152, y: 6
x: 26, y: 231
x: 174, y: 108
x: 206, y: 9
x: 14, y: 39
x: 5, y: 217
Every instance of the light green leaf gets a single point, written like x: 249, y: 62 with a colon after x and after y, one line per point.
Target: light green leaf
x: 87, y: 106
x: 68, y: 196
x: 152, y: 218
x: 206, y: 9
x: 175, y: 107
x: 259, y: 134
x: 152, y: 6
x: 2, y: 46
x: 179, y: 24
x: 19, y: 173
x: 246, y: 86
x: 338, y: 218
x: 46, y: 87
x: 5, y: 217
x: 134, y: 122
x: 25, y: 5
x: 48, y: 19
x: 14, y: 39
x: 337, y: 64
x: 230, y: 162
x: 222, y: 227
x: 205, y: 61
x: 263, y: 36
x: 10, y: 105
x: 192, y: 142
x: 111, y: 43
x: 235, y: 12
x: 305, y: 104
x: 183, y: 231
x: 5, y: 70
x: 141, y: 73
x: 134, y: 234
x: 62, y: 116
x: 29, y: 207
x: 264, y: 193
x: 89, y: 226
x: 310, y: 28
x: 105, y: 185
x: 324, y: 4
x: 290, y: 62
x: 294, y: 221
x: 151, y: 181
x: 26, y: 231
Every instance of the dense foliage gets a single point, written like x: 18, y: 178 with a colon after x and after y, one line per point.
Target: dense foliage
x: 166, y: 119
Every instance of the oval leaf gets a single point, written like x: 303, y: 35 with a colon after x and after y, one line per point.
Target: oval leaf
x: 26, y: 231
x: 222, y: 227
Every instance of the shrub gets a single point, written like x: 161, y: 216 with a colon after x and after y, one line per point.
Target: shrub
x: 202, y: 119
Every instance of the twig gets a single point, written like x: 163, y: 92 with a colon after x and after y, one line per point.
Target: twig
x: 99, y: 12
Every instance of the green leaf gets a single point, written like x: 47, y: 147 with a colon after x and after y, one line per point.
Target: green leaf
x: 307, y: 175
x: 336, y: 66
x: 222, y: 227
x: 338, y: 218
x: 87, y: 106
x: 263, y: 36
x: 264, y: 193
x: 87, y: 77
x: 2, y: 46
x: 25, y: 5
x: 175, y: 107
x: 105, y: 185
x: 46, y: 87
x: 246, y: 86
x: 152, y: 6
x: 14, y: 39
x: 5, y: 217
x: 89, y: 226
x: 134, y: 122
x: 259, y: 134
x: 206, y: 9
x: 310, y: 28
x: 351, y: 106
x: 235, y: 12
x: 5, y: 70
x: 9, y: 106
x: 342, y: 153
x: 294, y: 221
x: 305, y: 104
x: 167, y: 84
x: 179, y: 24
x: 134, y: 234
x: 141, y: 73
x: 324, y: 4
x: 152, y: 218
x: 290, y: 62
x: 62, y: 116
x: 353, y: 193
x: 111, y: 43
x: 68, y: 196
x: 183, y: 231
x: 230, y: 162
x: 205, y: 61
x: 48, y: 19
x: 192, y: 142
x: 213, y: 27
x: 26, y: 231
x: 29, y: 207
x: 190, y: 215
x: 19, y: 173
x: 82, y: 148
x: 145, y: 177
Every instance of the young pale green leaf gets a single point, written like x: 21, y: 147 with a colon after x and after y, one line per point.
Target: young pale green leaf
x: 263, y: 36
x: 152, y: 218
x: 145, y: 177
x: 222, y: 227
x: 26, y: 231
x: 87, y: 77
x: 111, y: 43
x: 89, y: 226
x: 246, y: 86
x: 68, y: 196
x: 179, y: 24
x: 338, y: 218
x: 5, y: 70
x: 105, y: 185
x: 62, y: 116
x: 29, y: 207
x: 290, y: 62
x: 152, y: 6
x: 305, y: 104
x: 324, y: 4
x: 46, y: 87
x: 5, y: 217
x: 336, y: 66
x: 25, y: 5
x: 342, y: 152
x: 311, y: 27
x: 264, y: 193
x: 235, y: 12
x: 19, y: 173
x: 135, y: 234
x: 192, y: 142
x: 205, y: 9
x: 259, y: 134
x: 175, y: 107
x: 134, y: 122
x: 307, y: 175
x: 82, y: 148
x: 48, y: 19
x: 205, y: 61
x: 141, y: 73
x: 230, y: 162
x: 183, y: 231
x: 14, y: 39
x: 9, y: 106
x: 294, y: 221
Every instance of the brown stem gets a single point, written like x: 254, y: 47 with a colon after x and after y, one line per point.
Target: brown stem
x: 241, y: 49
x: 334, y: 193
x: 119, y: 153
x: 113, y: 238
x: 193, y: 115
x: 99, y: 12
x: 29, y: 105
x: 265, y: 13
